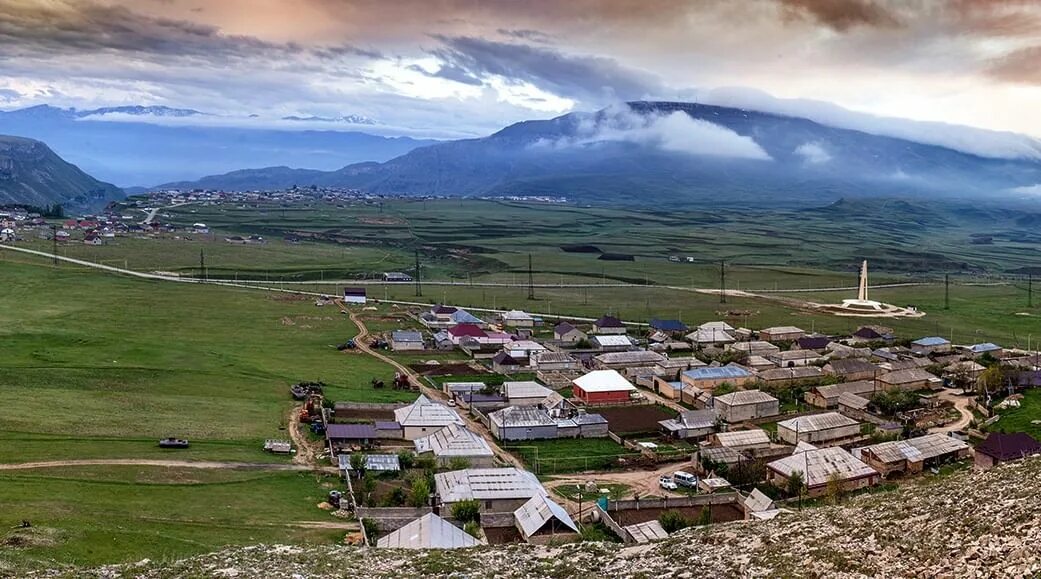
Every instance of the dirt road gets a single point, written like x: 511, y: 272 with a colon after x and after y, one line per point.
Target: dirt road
x: 361, y: 343
x: 151, y: 462
x: 961, y: 404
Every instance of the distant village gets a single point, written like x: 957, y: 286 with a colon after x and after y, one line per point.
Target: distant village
x: 711, y: 423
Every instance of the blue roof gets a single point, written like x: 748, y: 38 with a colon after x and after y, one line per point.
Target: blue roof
x: 931, y: 341
x: 668, y: 325
x: 464, y: 317
x: 721, y: 372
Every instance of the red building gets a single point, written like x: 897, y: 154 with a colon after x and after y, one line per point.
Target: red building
x: 602, y: 387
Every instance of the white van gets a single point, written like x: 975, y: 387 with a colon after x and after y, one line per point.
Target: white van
x: 685, y: 479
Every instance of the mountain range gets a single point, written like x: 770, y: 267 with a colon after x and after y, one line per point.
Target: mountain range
x: 146, y: 145
x: 672, y: 153
x: 31, y: 173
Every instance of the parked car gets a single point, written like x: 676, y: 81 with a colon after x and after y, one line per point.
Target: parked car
x: 685, y: 479
x: 173, y: 443
x: 667, y: 483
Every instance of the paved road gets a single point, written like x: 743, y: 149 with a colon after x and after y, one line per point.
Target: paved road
x: 160, y: 463
x: 472, y: 424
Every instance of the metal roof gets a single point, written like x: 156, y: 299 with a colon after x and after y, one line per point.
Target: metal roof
x: 739, y: 438
x: 382, y: 462
x: 486, y: 484
x: 428, y: 532
x: 525, y: 389
x: 723, y: 454
x: 465, y: 386
x: 581, y: 419
x: 984, y: 347
x: 668, y: 325
x: 718, y: 373
x: 716, y: 326
x: 424, y: 412
x: 709, y: 336
x: 517, y: 315
x: 406, y: 336
x: 464, y: 317
x: 788, y: 355
x: 539, y: 510
x: 816, y: 422
x: 851, y: 366
x: 521, y: 416
x: 454, y: 440
x: 742, y: 397
x: 637, y: 357
x: 819, y: 465
x: 850, y: 400
x: 931, y: 341
x: 783, y: 330
x: 913, y: 449
x: 603, y: 381
x: 613, y: 340
x: 908, y: 375
x: 350, y: 431
x: 549, y: 357
x: 796, y: 373
x: 646, y: 532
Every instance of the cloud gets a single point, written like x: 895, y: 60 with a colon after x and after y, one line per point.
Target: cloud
x: 526, y: 34
x: 676, y: 132
x: 1028, y: 190
x: 1021, y: 66
x: 9, y: 95
x: 449, y: 72
x: 841, y: 15
x: 813, y: 153
x: 588, y: 79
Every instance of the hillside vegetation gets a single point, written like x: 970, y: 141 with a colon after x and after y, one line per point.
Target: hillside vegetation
x: 31, y: 173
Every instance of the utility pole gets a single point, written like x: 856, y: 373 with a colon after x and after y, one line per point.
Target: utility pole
x: 531, y: 280
x: 1030, y: 291
x: 54, y: 240
x: 202, y: 264
x: 946, y: 291
x: 722, y: 281
x: 419, y: 285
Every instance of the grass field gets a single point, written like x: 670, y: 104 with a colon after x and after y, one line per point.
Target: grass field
x: 1022, y: 419
x: 96, y: 515
x: 568, y: 455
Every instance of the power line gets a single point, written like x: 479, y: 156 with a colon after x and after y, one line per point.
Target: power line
x: 531, y: 280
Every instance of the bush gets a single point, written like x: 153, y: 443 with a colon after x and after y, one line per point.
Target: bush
x: 467, y: 511
x: 406, y: 459
x: 419, y: 494
x: 473, y: 529
x: 357, y: 463
x: 372, y: 530
x: 458, y: 464
x: 673, y: 521
x: 704, y: 517
x: 396, y: 498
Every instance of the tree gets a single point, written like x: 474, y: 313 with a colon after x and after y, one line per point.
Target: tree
x: 673, y: 521
x: 396, y: 498
x: 368, y: 485
x: 357, y: 463
x: 834, y: 490
x: 704, y: 517
x: 419, y: 494
x: 458, y: 463
x: 473, y: 529
x: 992, y: 380
x: 406, y: 459
x: 746, y: 473
x: 467, y: 511
x: 796, y: 484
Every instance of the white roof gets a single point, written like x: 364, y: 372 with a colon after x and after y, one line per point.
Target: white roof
x: 526, y: 345
x: 716, y: 326
x: 742, y: 397
x: 612, y: 340
x: 428, y: 532
x: 604, y: 381
x: 525, y: 389
x: 539, y: 510
x: 819, y: 465
x: 424, y: 412
x: 454, y: 440
x: 783, y: 330
x: 486, y: 484
x: 710, y: 336
x: 635, y: 357
x: 740, y: 438
x: 517, y: 315
x: 817, y: 422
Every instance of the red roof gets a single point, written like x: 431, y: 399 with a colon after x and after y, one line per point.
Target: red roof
x: 466, y: 330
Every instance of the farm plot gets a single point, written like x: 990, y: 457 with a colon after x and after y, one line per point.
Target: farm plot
x: 628, y: 420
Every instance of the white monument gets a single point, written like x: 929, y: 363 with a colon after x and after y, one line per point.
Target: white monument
x: 864, y: 307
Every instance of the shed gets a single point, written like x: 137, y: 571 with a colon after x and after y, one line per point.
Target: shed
x: 912, y: 455
x: 541, y: 520
x: 402, y: 340
x: 428, y: 532
x: 692, y: 424
x: 522, y: 423
x: 709, y: 336
x: 827, y: 396
x: 354, y: 295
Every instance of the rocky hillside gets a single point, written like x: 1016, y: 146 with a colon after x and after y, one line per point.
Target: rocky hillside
x: 31, y: 173
x: 965, y: 525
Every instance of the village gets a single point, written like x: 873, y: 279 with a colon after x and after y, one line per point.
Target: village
x: 526, y: 429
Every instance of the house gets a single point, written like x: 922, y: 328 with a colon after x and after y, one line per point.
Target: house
x: 986, y: 348
x: 522, y: 423
x: 818, y: 343
x: 625, y: 360
x: 754, y: 348
x: 608, y: 325
x: 424, y: 417
x: 7, y: 234
x: 670, y: 368
x: 602, y: 387
x: 709, y: 377
x: 351, y: 435
x: 852, y: 369
x: 691, y: 424
x: 62, y: 235
x: 908, y: 380
x: 461, y: 316
x: 758, y: 363
x: 354, y: 295
x: 707, y: 458
x: 791, y: 375
x: 668, y: 326
x: 93, y: 238
x: 567, y: 333
x: 588, y: 425
x: 498, y: 490
x: 405, y: 340
x: 518, y: 319
x: 671, y: 389
x: 872, y: 334
x: 827, y: 428
x: 820, y: 466
x: 558, y: 406
x: 459, y: 332
x: 965, y: 372
x: 428, y: 532
x: 523, y: 350
x: 757, y: 502
x: 930, y: 345
x: 912, y: 455
x: 781, y: 334
x: 612, y: 343
x: 741, y: 440
x: 710, y: 336
x: 746, y: 405
x: 553, y: 362
x: 790, y: 358
x: 504, y: 363
x: 526, y: 393
x: 454, y: 443
x: 541, y: 521
x: 1000, y: 447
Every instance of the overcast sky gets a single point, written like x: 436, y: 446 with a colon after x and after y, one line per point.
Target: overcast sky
x: 461, y: 67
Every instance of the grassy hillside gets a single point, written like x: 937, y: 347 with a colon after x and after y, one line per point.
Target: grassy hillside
x: 33, y: 174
